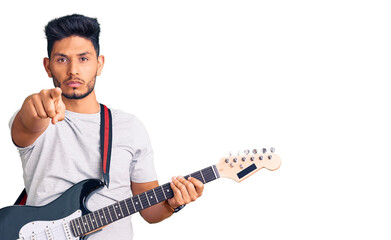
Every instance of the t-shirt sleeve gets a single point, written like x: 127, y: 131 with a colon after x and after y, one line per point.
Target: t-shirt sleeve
x: 142, y: 168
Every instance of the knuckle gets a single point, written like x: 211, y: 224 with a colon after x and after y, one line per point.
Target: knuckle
x: 193, y: 198
x: 35, y: 97
x: 43, y: 92
x: 50, y: 109
x: 188, y: 200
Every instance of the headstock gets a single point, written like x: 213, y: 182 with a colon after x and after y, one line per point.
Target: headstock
x: 241, y: 167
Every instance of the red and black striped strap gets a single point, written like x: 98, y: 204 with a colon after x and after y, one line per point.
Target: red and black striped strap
x: 22, y: 198
x: 106, y: 139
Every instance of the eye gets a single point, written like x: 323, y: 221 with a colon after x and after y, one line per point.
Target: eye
x: 83, y: 59
x: 62, y: 60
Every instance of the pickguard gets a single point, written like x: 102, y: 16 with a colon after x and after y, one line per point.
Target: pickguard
x: 49, y: 230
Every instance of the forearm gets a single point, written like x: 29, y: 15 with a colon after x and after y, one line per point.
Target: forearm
x: 25, y: 129
x: 29, y: 122
x: 35, y: 115
x: 185, y: 191
x: 157, y: 213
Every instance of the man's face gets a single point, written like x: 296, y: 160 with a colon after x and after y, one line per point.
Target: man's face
x: 73, y: 65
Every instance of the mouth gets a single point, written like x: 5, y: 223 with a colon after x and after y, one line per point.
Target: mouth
x: 73, y: 83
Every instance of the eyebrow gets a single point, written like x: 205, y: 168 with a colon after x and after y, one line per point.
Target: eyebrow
x: 64, y: 55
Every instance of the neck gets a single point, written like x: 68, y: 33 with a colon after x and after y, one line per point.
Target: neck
x: 87, y: 105
x: 85, y: 225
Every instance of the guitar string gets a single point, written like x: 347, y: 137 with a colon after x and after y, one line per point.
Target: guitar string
x: 207, y: 174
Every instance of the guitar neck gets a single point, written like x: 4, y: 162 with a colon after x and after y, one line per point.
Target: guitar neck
x: 95, y: 220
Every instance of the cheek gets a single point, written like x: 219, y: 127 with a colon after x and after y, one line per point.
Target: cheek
x: 58, y: 71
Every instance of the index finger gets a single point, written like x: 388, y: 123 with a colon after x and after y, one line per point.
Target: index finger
x: 55, y: 93
x: 199, y: 186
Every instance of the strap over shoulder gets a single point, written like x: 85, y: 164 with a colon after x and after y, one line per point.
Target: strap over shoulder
x: 106, y: 139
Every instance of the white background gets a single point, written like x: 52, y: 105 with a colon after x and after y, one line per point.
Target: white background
x: 208, y: 77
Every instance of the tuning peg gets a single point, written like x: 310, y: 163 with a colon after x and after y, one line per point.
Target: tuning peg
x: 255, y: 151
x: 247, y: 152
x: 230, y: 153
x: 264, y: 150
x: 272, y: 149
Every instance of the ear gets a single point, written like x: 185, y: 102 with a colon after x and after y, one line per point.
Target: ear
x: 46, y: 64
x: 101, y: 62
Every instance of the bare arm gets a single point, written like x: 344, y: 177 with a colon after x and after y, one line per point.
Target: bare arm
x: 35, y: 114
x: 185, y: 191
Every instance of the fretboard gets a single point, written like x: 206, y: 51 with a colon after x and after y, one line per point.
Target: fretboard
x: 95, y: 220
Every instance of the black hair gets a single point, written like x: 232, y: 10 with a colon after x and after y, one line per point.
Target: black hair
x: 72, y: 25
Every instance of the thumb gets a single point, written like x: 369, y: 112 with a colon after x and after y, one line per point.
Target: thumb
x: 60, y: 113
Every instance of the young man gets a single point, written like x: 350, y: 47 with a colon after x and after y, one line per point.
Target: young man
x: 57, y: 133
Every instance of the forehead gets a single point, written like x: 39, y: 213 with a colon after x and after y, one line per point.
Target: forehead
x: 73, y: 45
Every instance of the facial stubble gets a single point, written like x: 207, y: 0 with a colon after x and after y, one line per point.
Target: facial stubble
x: 75, y: 95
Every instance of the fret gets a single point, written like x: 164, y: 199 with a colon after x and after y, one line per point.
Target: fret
x: 120, y: 208
x: 215, y: 172
x: 92, y: 221
x: 203, y: 178
x: 144, y: 201
x: 163, y: 192
x: 81, y: 227
x: 126, y: 208
x: 107, y: 212
x: 103, y: 216
x: 167, y: 191
x: 159, y: 194
x: 97, y: 212
x: 198, y: 176
x: 208, y: 174
x: 117, y: 211
x: 87, y: 223
x: 134, y: 208
x: 137, y: 203
x: 139, y: 200
x: 75, y: 229
x: 152, y: 197
x: 112, y: 213
x: 154, y: 193
x: 95, y: 221
x: 146, y: 196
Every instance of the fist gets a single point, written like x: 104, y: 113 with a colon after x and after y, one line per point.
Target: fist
x: 185, y: 191
x: 47, y: 104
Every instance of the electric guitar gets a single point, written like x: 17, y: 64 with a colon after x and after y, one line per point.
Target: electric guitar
x: 67, y: 217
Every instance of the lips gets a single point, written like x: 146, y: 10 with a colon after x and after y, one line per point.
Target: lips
x: 73, y: 83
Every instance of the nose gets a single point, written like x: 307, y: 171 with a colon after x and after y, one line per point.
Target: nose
x: 73, y: 68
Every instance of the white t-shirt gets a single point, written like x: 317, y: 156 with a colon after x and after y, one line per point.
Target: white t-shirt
x: 69, y: 152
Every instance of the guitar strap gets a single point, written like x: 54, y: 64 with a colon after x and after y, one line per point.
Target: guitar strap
x: 106, y: 139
